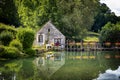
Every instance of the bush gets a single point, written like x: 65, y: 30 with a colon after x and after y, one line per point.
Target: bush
x: 10, y: 52
x: 4, y: 27
x: 26, y: 37
x: 30, y: 52
x: 6, y: 37
x: 1, y: 50
x: 110, y: 33
x: 16, y: 44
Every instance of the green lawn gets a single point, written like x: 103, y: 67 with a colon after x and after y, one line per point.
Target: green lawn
x: 92, y: 36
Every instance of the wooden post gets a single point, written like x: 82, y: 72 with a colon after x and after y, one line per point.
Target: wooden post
x: 67, y: 45
x: 81, y: 45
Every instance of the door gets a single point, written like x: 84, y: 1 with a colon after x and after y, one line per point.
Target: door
x: 57, y: 41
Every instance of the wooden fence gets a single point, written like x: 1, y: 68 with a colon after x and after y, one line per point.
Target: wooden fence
x: 91, y: 46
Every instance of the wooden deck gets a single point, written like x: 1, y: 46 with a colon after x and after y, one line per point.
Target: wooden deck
x: 90, y: 46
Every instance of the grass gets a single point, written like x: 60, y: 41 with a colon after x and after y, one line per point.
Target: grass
x: 92, y: 37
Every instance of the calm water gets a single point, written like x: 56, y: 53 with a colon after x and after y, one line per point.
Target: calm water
x: 60, y: 66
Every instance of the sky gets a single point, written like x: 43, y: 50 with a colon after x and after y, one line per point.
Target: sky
x: 114, y: 5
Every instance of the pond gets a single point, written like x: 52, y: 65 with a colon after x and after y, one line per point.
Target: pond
x: 63, y: 66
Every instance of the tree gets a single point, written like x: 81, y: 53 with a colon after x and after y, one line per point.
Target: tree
x: 103, y: 17
x: 37, y: 12
x: 68, y: 16
x: 78, y: 17
x: 110, y: 33
x: 8, y: 13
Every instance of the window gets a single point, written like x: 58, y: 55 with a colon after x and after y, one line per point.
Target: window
x: 48, y: 30
x: 40, y: 38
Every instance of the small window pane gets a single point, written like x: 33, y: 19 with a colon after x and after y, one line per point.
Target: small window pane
x: 48, y: 30
x: 40, y: 38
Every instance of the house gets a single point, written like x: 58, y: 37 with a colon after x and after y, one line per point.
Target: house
x: 49, y: 35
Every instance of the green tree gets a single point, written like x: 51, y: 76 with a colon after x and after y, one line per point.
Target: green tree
x: 110, y: 33
x: 78, y: 16
x: 8, y: 13
x: 37, y: 12
x: 26, y: 37
x: 103, y: 17
x: 73, y: 17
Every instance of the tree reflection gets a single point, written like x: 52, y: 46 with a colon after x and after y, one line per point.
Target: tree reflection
x: 8, y: 70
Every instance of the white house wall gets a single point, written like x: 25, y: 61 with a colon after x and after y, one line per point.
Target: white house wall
x: 54, y: 33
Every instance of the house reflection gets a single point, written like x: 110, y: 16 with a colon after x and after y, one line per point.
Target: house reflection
x: 49, y: 64
x: 57, y: 57
x: 40, y: 61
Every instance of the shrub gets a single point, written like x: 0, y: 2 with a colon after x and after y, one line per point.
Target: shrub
x: 30, y: 52
x: 16, y: 44
x: 110, y: 33
x: 10, y: 52
x: 6, y: 37
x: 4, y: 27
x: 26, y: 37
x: 1, y: 50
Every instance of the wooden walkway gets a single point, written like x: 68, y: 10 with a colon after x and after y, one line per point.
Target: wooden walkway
x: 89, y: 46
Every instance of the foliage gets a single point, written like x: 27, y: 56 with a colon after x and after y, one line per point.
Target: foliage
x: 68, y: 16
x: 110, y: 33
x: 16, y: 44
x: 30, y: 51
x: 6, y: 37
x: 36, y: 12
x: 78, y: 16
x: 103, y: 17
x: 4, y: 27
x: 26, y: 37
x: 8, y: 12
x: 72, y: 17
x: 1, y: 49
x: 10, y: 52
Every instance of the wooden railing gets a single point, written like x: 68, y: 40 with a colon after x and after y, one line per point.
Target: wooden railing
x: 91, y: 46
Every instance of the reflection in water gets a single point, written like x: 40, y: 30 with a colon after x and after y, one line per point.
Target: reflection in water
x: 60, y: 66
x: 91, y: 55
x: 110, y: 75
x: 9, y: 69
x: 86, y: 65
x: 48, y: 64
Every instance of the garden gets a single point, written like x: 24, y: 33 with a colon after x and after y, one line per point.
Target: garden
x: 16, y: 42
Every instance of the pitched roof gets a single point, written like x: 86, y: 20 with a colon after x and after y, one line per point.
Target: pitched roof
x: 48, y: 25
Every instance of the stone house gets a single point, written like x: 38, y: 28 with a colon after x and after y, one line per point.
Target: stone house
x: 50, y: 36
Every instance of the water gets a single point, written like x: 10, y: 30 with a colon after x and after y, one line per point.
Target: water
x: 110, y: 75
x: 64, y: 66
